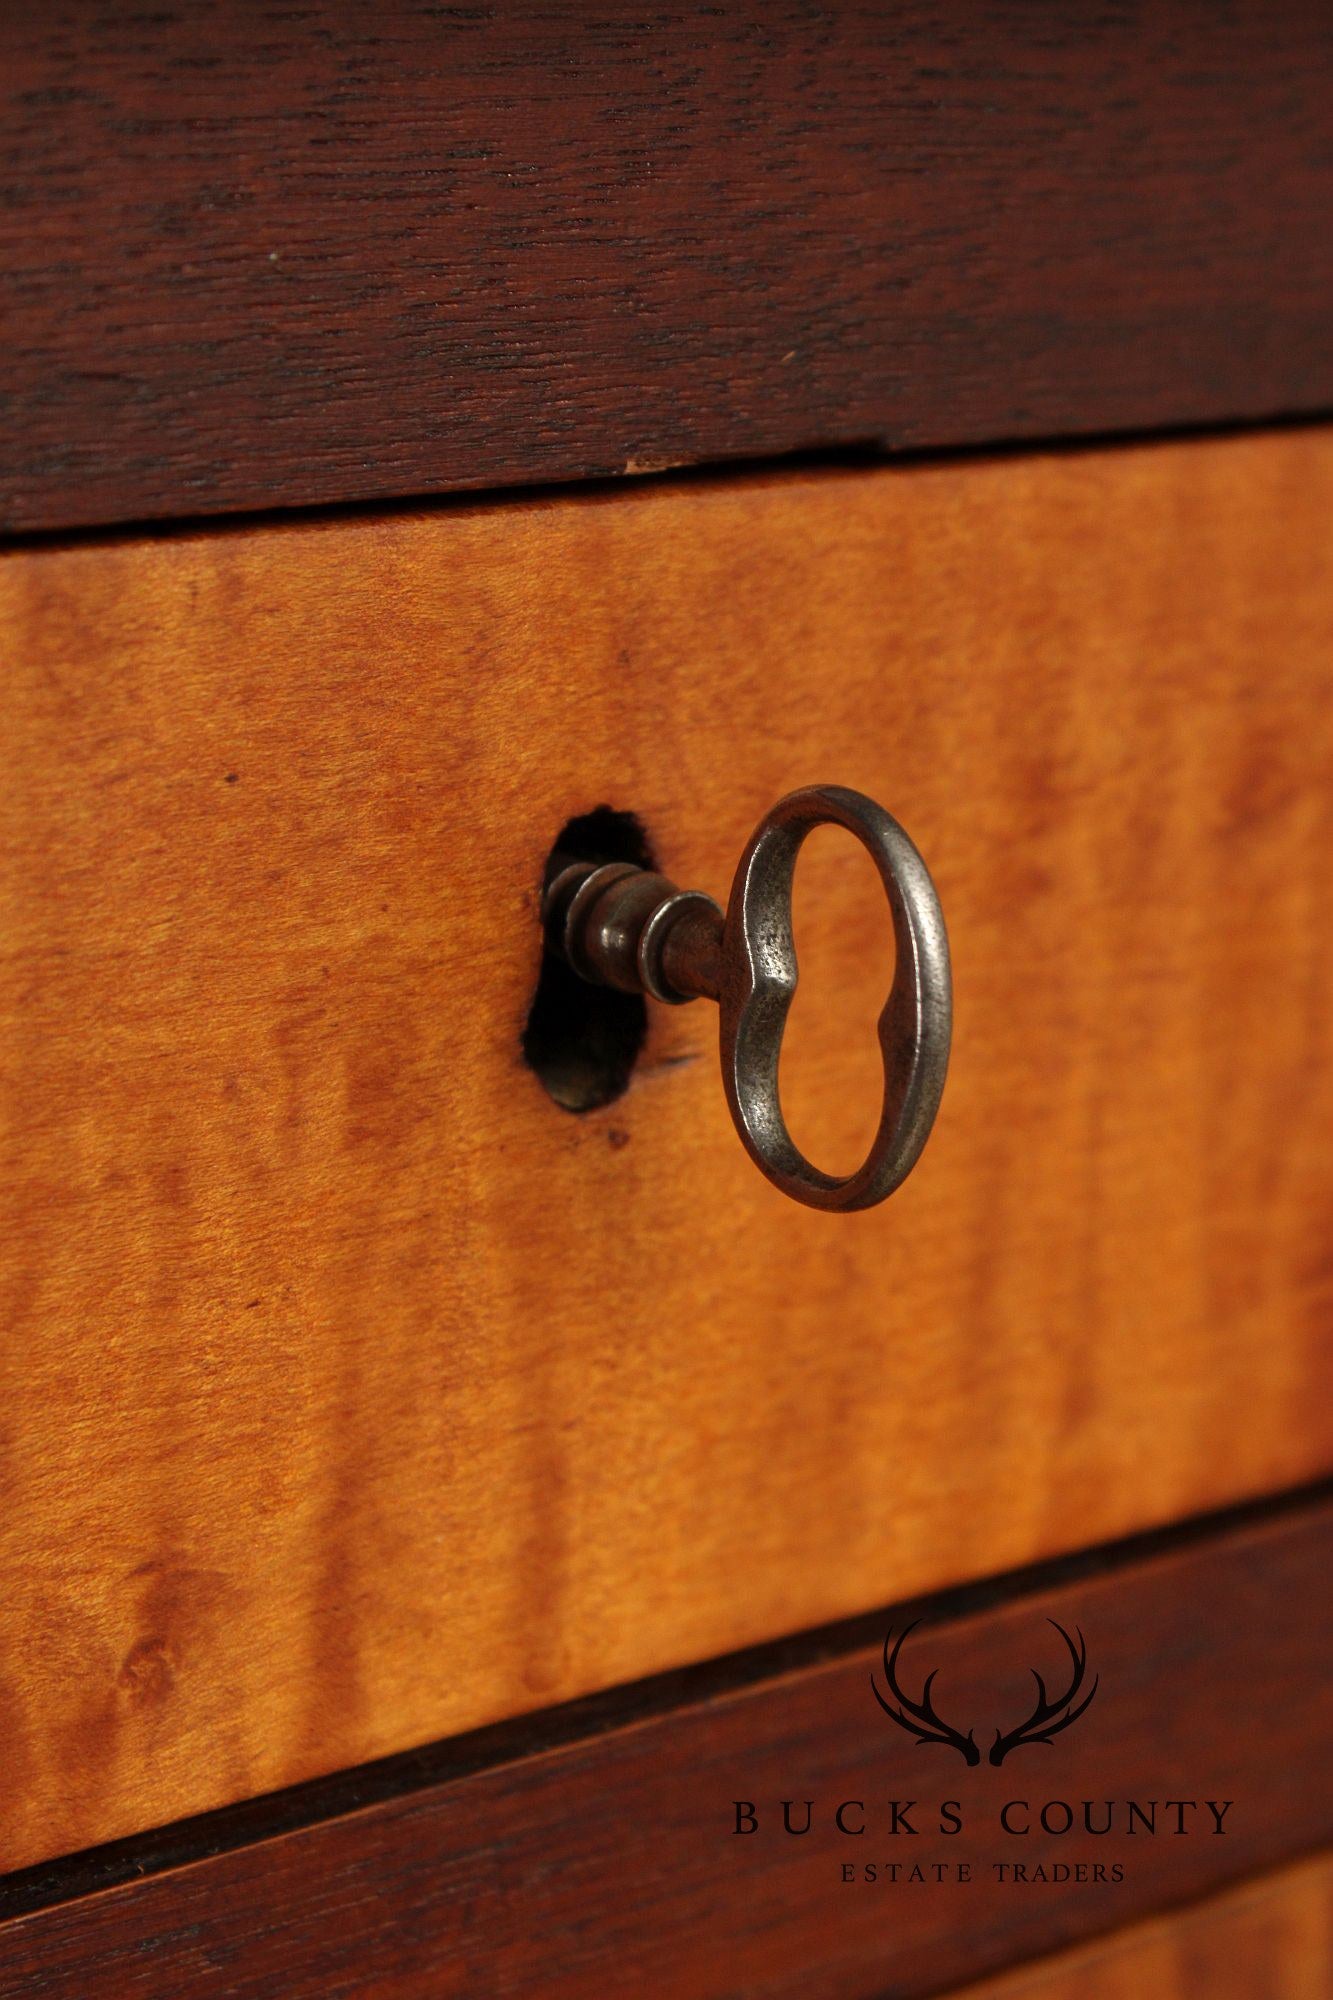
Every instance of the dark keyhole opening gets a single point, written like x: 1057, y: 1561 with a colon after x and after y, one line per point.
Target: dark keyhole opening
x: 583, y: 1041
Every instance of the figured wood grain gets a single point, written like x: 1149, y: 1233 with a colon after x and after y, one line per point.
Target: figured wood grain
x: 1268, y: 1940
x: 259, y: 256
x: 355, y: 1394
x: 610, y: 1865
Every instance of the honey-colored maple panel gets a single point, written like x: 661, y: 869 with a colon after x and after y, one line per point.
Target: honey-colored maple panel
x: 1269, y: 1940
x: 354, y: 1393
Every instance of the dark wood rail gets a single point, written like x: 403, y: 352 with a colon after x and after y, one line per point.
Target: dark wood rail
x: 261, y: 257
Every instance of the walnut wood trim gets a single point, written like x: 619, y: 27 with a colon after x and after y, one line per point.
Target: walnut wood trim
x: 606, y: 1863
x: 261, y: 258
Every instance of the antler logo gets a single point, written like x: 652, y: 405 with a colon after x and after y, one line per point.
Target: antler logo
x: 918, y: 1718
x: 1045, y: 1723
x: 1048, y: 1718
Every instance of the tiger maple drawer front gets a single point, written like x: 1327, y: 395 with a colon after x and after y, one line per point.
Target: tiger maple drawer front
x: 356, y: 1393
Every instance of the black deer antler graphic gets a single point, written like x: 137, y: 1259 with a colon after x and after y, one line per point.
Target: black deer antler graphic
x: 1048, y: 1718
x: 920, y: 1719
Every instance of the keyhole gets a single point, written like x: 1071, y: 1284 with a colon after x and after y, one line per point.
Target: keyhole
x: 583, y: 1041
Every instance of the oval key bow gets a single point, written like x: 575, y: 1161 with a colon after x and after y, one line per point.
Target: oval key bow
x: 628, y: 927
